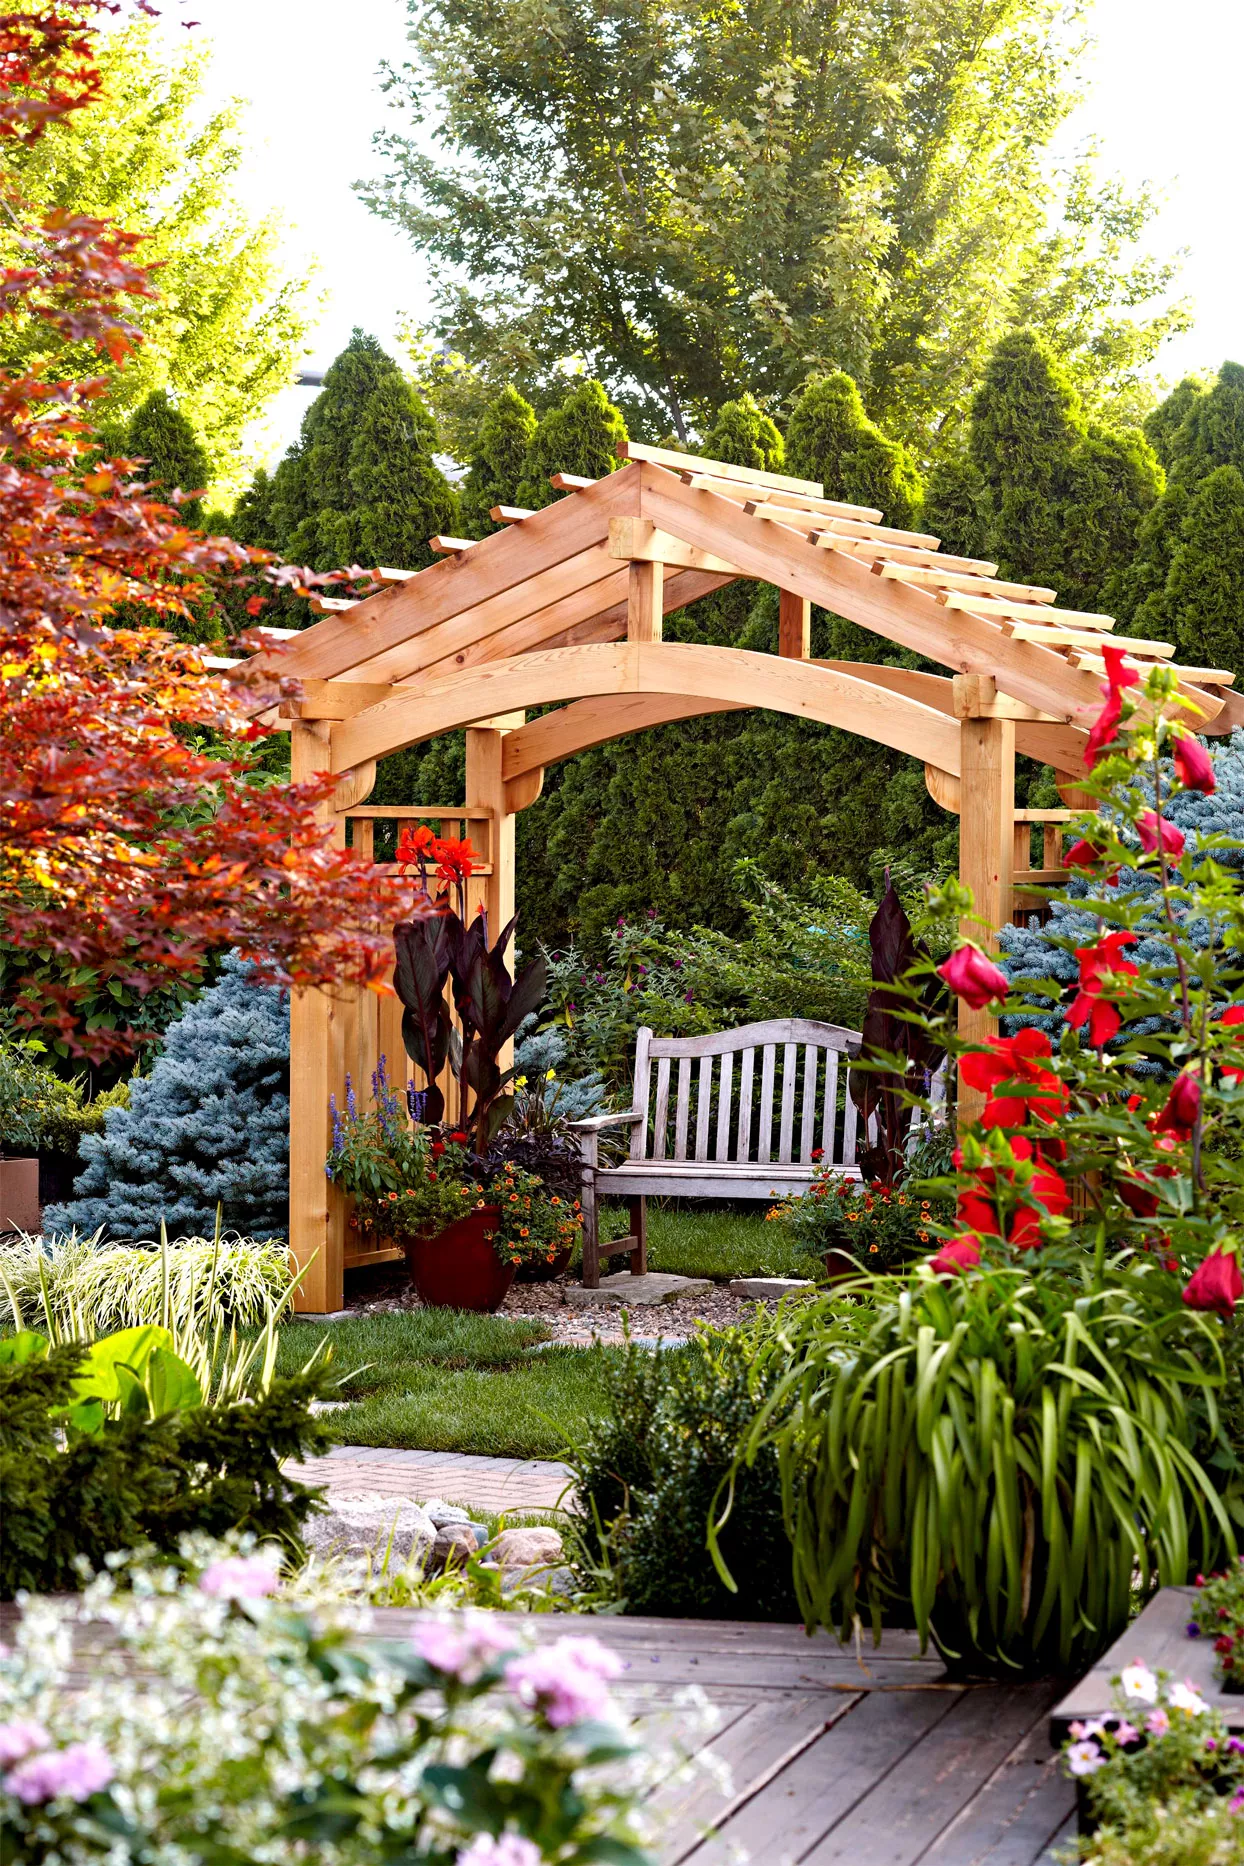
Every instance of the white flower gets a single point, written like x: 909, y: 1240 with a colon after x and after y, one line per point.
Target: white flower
x: 1187, y: 1698
x: 1139, y: 1682
x: 1084, y: 1758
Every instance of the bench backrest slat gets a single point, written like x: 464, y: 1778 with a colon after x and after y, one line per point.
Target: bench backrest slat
x: 721, y: 1113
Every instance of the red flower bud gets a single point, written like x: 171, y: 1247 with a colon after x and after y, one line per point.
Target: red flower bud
x: 1192, y: 765
x: 1183, y: 1104
x: 459, y: 1139
x: 1217, y: 1285
x: 1155, y: 832
x: 973, y: 977
x: 953, y: 1258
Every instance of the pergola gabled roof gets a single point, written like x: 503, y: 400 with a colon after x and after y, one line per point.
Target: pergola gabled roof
x: 537, y: 613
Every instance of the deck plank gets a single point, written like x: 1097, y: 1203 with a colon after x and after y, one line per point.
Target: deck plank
x: 1017, y: 1813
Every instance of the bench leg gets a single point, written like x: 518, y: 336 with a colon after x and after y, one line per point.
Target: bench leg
x: 591, y: 1232
x: 638, y: 1209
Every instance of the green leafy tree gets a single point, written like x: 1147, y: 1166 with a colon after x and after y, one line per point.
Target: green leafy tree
x: 700, y: 202
x: 223, y: 335
x: 580, y: 436
x: 176, y: 459
x: 500, y: 448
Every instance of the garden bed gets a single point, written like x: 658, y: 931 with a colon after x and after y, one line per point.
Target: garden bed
x: 1158, y: 1637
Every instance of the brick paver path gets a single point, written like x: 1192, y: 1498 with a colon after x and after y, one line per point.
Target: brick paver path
x: 493, y: 1484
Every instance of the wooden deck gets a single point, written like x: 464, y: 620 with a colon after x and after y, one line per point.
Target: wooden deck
x: 839, y: 1760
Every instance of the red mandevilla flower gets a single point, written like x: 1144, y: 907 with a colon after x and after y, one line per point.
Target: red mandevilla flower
x: 1183, y: 1105
x: 953, y: 1258
x: 1016, y: 1061
x: 1098, y: 963
x: 1217, y: 1285
x: 1192, y: 765
x: 973, y: 977
x: 1155, y: 832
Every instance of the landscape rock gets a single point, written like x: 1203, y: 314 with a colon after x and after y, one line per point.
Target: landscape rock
x: 527, y: 1548
x: 640, y: 1292
x: 454, y: 1546
x: 442, y: 1513
x: 768, y: 1288
x: 363, y: 1525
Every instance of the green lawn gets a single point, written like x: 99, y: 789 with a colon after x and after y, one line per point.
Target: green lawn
x: 437, y: 1380
x: 694, y: 1242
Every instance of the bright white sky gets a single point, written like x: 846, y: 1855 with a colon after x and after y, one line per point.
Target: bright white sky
x: 1164, y: 106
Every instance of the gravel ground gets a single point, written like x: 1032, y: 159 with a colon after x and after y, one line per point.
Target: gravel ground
x: 382, y: 1291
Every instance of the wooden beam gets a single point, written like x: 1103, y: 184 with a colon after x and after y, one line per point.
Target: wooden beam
x: 445, y: 547
x: 811, y: 523
x: 944, y: 789
x: 638, y: 540
x: 870, y: 552
x: 546, y: 676
x: 1058, y: 745
x: 643, y: 601
x: 719, y: 469
x: 1001, y: 610
x: 799, y: 502
x: 521, y: 792
x: 335, y: 699
x: 794, y: 626
x: 485, y: 790
x: 584, y: 723
x: 976, y: 696
x: 933, y: 577
x: 569, y: 482
x: 510, y: 514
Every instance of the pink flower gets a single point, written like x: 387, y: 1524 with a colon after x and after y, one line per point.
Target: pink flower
x: 1118, y: 676
x: 1216, y: 1285
x: 958, y: 1255
x: 974, y: 978
x: 21, y: 1739
x: 1157, y: 1723
x: 1084, y: 1758
x: 240, y: 1577
x: 462, y: 1651
x: 504, y: 1850
x: 1155, y: 832
x: 567, y: 1680
x: 71, y: 1774
x: 1192, y: 765
x: 1125, y: 1732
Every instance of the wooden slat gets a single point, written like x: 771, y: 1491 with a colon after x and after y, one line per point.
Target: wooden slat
x: 569, y: 482
x: 795, y: 502
x: 510, y: 514
x: 660, y: 1119
x: 790, y: 1073
x: 842, y: 527
x: 829, y: 1114
x: 807, y: 1129
x: 702, y: 1107
x: 363, y: 1259
x: 850, y: 1122
x: 1219, y: 676
x: 935, y: 577
x: 875, y: 554
x: 387, y: 574
x: 719, y: 469
x: 764, y: 1137
x: 641, y: 1092
x: 1021, y: 612
x: 682, y: 1109
x: 743, y: 1146
x: 723, y: 1106
x: 445, y: 547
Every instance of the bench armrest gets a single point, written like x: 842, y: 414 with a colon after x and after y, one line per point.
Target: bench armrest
x: 594, y: 1122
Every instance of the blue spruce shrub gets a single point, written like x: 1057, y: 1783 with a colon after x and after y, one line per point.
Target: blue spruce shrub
x: 574, y: 1096
x: 1035, y: 951
x: 209, y: 1125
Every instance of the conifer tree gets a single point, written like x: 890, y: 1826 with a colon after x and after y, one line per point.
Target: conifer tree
x: 744, y: 434
x: 176, y: 458
x: 1163, y: 423
x: 580, y: 436
x: 208, y: 1126
x: 402, y: 497
x: 1204, y: 593
x: 830, y: 438
x: 504, y: 437
x: 953, y: 497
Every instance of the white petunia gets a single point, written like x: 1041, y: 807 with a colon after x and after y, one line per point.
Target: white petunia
x: 1139, y: 1682
x: 1084, y: 1758
x: 1187, y: 1698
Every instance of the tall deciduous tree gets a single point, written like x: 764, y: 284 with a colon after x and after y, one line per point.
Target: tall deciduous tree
x: 702, y: 201
x: 223, y: 329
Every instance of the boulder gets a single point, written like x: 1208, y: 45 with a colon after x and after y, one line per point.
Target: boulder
x: 363, y: 1525
x: 442, y: 1513
x: 454, y: 1546
x: 527, y: 1548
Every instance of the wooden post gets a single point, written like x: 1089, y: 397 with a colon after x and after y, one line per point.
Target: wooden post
x: 986, y: 854
x: 317, y: 1033
x: 645, y: 611
x: 794, y: 626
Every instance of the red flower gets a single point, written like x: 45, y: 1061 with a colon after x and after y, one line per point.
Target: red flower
x: 1217, y: 1285
x: 414, y: 844
x: 436, y: 1149
x: 459, y: 1138
x: 1192, y: 765
x: 977, y: 1209
x: 1098, y: 963
x: 1183, y: 1105
x: 1234, y: 1014
x: 1155, y: 831
x: 1017, y: 1062
x: 1081, y: 854
x: 1118, y: 676
x: 455, y: 859
x: 1053, y: 1193
x: 953, y: 1258
x: 972, y: 977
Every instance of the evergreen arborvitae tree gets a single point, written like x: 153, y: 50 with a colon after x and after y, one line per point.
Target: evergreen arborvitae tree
x: 953, y: 496
x: 176, y: 459
x: 209, y: 1125
x: 831, y: 439
x: 501, y: 445
x: 1204, y: 593
x: 581, y: 436
x: 1061, y: 501
x: 744, y: 435
x: 1163, y: 423
x: 252, y: 521
x: 403, y: 498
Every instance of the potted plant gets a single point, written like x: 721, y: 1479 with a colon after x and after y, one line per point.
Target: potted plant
x: 23, y: 1098
x: 852, y: 1225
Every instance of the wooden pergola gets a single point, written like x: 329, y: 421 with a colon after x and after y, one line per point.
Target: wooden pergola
x: 564, y: 607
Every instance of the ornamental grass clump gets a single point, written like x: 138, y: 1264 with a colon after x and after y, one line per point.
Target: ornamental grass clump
x: 93, y: 1289
x: 221, y: 1721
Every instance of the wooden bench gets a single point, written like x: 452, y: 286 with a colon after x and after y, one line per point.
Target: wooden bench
x: 708, y: 1131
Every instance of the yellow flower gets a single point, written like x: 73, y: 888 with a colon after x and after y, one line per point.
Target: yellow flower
x: 550, y: 1075
x: 520, y: 1081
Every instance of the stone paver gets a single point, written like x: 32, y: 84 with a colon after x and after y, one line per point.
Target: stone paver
x: 641, y: 1292
x: 492, y: 1484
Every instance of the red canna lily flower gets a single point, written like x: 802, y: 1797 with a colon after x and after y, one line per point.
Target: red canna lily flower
x: 973, y: 977
x: 455, y: 859
x: 1234, y: 1014
x: 1216, y: 1285
x: 1156, y: 832
x: 1081, y: 854
x: 414, y: 844
x: 1192, y: 765
x: 1098, y: 964
x: 1183, y: 1105
x: 958, y: 1255
x: 1054, y: 1194
x: 1016, y: 1061
x: 1118, y: 676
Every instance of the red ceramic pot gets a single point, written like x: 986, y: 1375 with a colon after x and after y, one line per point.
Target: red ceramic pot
x: 839, y: 1266
x: 540, y: 1270
x: 458, y: 1268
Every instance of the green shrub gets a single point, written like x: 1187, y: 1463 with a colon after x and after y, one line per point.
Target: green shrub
x: 108, y: 1451
x: 648, y: 1477
x: 41, y: 1112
